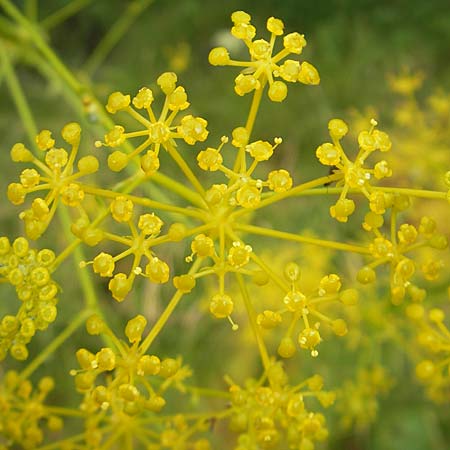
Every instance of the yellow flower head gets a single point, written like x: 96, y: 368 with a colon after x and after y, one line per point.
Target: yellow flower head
x: 265, y: 64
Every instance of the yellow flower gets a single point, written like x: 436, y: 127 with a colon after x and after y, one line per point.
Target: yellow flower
x: 264, y: 64
x: 56, y: 176
x: 157, y: 131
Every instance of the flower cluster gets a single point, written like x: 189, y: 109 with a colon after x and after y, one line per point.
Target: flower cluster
x: 55, y: 175
x: 421, y: 126
x: 24, y: 411
x: 122, y: 381
x: 29, y: 271
x: 180, y: 432
x: 157, y: 131
x: 265, y: 65
x: 358, y: 400
x: 215, y: 227
x: 352, y: 175
x: 274, y: 415
x: 396, y: 250
x: 242, y: 189
x: 433, y: 337
x: 143, y: 238
x: 308, y: 309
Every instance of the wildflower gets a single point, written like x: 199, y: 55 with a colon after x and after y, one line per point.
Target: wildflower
x: 121, y: 380
x: 264, y: 65
x: 157, y: 131
x: 354, y: 174
x: 358, y: 400
x: 277, y: 411
x: 239, y: 254
x: 211, y: 159
x: 302, y: 308
x: 29, y: 271
x: 395, y: 252
x: 25, y: 412
x: 433, y: 337
x: 221, y: 306
x: 143, y: 238
x: 56, y: 175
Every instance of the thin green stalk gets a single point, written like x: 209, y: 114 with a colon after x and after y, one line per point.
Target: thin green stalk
x: 62, y: 14
x: 61, y: 411
x: 177, y: 188
x: 303, y: 239
x: 419, y: 193
x: 31, y: 9
x: 276, y: 197
x: 207, y: 392
x: 254, y: 110
x: 87, y: 286
x: 166, y: 314
x: 40, y: 44
x: 143, y: 201
x: 9, y: 29
x: 18, y: 95
x: 252, y: 318
x: 239, y: 163
x: 65, y: 253
x: 182, y: 164
x: 71, y: 440
x: 83, y: 275
x: 75, y: 322
x: 115, y: 34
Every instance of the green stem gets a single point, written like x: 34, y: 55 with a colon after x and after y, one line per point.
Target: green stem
x: 78, y: 437
x: 143, y: 201
x: 9, y: 30
x: 83, y: 275
x: 177, y: 188
x: 303, y: 239
x: 164, y: 317
x: 41, y: 45
x: 65, y: 253
x: 55, y: 343
x: 240, y: 163
x: 419, y: 193
x: 207, y: 392
x: 61, y: 411
x: 31, y: 9
x: 291, y: 193
x: 185, y: 169
x: 252, y: 318
x: 115, y: 34
x: 18, y: 96
x: 254, y: 110
x: 62, y: 14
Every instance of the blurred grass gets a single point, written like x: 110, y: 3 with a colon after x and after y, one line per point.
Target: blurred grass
x: 354, y: 44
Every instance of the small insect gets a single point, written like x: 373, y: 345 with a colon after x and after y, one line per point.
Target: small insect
x: 212, y: 423
x: 331, y: 171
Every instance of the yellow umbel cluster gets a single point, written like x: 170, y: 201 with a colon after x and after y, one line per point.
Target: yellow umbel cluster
x: 55, y: 175
x: 265, y: 65
x: 121, y: 382
x: 157, y: 131
x: 24, y: 411
x: 181, y: 233
x: 274, y: 415
x: 29, y: 271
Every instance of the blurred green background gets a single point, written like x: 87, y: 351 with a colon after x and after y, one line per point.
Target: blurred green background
x: 354, y: 45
